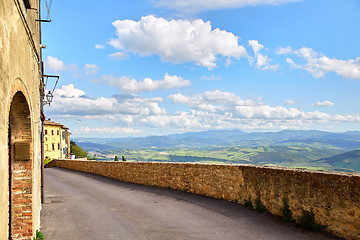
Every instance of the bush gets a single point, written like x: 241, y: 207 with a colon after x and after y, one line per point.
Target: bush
x: 286, y: 211
x: 248, y: 204
x: 307, y: 220
x: 39, y: 235
x: 47, y: 160
x: 258, y: 205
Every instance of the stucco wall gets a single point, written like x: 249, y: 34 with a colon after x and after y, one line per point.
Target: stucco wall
x: 53, y: 135
x: 19, y: 71
x: 334, y: 197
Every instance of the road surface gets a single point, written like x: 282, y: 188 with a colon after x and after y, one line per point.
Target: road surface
x: 82, y: 206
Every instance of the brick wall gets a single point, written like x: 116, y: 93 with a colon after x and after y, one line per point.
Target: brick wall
x: 21, y: 165
x: 333, y: 196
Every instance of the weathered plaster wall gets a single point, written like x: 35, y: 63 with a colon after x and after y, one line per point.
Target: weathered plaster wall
x: 333, y: 196
x: 19, y: 71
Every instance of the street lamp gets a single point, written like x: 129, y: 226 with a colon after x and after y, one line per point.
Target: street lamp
x: 47, y: 99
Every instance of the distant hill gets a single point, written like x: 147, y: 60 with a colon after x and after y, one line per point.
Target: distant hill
x: 303, y: 149
x: 344, y: 161
x: 226, y: 138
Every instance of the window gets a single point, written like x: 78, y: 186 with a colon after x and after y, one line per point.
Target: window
x: 47, y: 147
x: 58, y: 146
x: 58, y: 132
x: 63, y: 135
x: 45, y: 132
x: 53, y: 146
x: 52, y: 132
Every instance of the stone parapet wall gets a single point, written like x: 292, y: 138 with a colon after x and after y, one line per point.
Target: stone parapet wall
x: 334, y: 197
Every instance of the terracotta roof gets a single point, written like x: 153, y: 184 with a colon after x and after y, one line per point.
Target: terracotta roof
x: 47, y: 122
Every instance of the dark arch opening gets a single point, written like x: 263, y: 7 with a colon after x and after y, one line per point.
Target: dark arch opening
x: 20, y: 168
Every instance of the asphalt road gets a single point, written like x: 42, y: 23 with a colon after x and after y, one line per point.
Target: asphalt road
x: 81, y: 206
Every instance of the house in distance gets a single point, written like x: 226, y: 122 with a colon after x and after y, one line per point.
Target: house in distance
x: 56, y: 140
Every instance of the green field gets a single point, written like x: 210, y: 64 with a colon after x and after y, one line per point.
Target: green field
x: 299, y: 157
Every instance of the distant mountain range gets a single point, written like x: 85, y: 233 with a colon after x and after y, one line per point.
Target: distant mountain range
x: 305, y: 149
x: 217, y: 138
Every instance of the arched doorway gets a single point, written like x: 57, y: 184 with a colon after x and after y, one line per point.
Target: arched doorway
x: 20, y: 169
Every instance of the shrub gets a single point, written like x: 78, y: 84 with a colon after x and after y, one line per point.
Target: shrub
x: 47, y: 160
x: 248, y: 204
x: 39, y: 235
x: 286, y: 211
x: 307, y: 220
x: 258, y: 205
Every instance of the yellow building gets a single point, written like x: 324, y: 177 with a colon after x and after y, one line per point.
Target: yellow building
x: 56, y: 140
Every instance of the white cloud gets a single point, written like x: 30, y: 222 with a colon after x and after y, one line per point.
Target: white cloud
x: 71, y: 101
x: 323, y: 104
x: 256, y: 46
x: 212, y: 77
x: 282, y: 50
x: 69, y: 91
x: 53, y: 63
x: 194, y: 6
x: 290, y: 102
x: 262, y: 61
x: 146, y: 85
x: 177, y: 41
x: 91, y: 69
x: 208, y: 110
x: 106, y: 130
x: 99, y: 46
x: 119, y: 56
x: 225, y: 103
x: 318, y: 64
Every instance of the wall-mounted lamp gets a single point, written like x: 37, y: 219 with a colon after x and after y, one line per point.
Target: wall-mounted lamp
x: 47, y: 99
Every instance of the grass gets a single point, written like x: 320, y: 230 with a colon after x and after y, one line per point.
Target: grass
x: 46, y: 161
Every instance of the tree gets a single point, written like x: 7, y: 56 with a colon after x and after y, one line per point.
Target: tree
x: 92, y: 158
x: 116, y: 159
x: 124, y: 160
x: 77, y: 150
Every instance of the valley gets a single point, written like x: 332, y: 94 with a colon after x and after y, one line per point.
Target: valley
x: 299, y: 149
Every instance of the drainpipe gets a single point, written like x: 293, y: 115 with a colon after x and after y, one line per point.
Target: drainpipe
x: 41, y: 111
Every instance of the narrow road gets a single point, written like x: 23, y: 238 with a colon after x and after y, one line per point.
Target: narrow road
x: 81, y: 206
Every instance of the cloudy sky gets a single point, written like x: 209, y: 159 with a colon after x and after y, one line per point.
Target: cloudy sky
x: 155, y: 67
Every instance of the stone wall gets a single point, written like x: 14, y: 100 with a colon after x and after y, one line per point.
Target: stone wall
x: 334, y: 197
x: 20, y: 123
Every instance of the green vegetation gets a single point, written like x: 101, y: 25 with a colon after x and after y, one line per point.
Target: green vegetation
x: 116, y: 159
x: 286, y: 211
x: 123, y: 158
x: 248, y: 204
x: 92, y: 158
x: 46, y: 161
x: 315, y: 150
x: 38, y: 235
x: 258, y: 205
x: 297, y: 157
x: 307, y: 220
x: 77, y: 150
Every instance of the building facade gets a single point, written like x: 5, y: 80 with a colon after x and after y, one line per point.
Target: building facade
x: 20, y: 118
x: 57, y: 141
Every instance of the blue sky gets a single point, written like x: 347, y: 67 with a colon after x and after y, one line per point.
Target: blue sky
x: 154, y: 67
